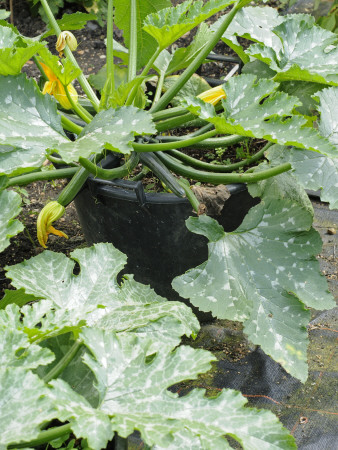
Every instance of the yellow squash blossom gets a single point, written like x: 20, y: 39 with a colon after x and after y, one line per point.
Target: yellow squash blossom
x: 55, y: 87
x: 51, y: 212
x: 213, y: 95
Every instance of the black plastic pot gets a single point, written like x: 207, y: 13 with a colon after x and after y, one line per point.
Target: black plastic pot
x: 150, y: 229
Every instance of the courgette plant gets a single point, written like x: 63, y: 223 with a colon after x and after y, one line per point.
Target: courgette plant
x: 99, y: 355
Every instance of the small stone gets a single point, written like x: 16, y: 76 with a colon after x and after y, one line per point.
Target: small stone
x: 102, y: 56
x: 331, y: 231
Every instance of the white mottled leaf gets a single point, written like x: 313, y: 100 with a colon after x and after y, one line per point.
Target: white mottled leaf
x: 29, y: 124
x: 22, y: 420
x: 246, y: 114
x: 17, y: 351
x: 261, y: 274
x: 10, y: 203
x: 94, y: 296
x: 306, y: 52
x: 113, y: 129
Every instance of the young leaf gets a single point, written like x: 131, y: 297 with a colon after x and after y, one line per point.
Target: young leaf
x: 317, y: 62
x: 113, y: 129
x: 29, y: 124
x: 10, y: 203
x: 65, y: 72
x: 15, y: 51
x: 17, y: 297
x: 70, y: 22
x: 169, y: 24
x: 257, y: 109
x: 260, y: 274
x: 134, y: 394
x: 146, y: 45
x: 24, y: 406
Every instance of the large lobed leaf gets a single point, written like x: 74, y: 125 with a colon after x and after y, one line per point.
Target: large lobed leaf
x: 15, y: 51
x: 113, y: 129
x: 29, y: 124
x: 169, y: 24
x: 261, y: 274
x: 94, y: 296
x: 10, y: 203
x: 256, y: 109
x: 305, y: 52
x: 146, y: 45
x: 133, y: 393
x: 312, y: 170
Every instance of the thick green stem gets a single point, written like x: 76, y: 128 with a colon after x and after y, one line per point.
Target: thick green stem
x: 111, y: 174
x: 220, y: 178
x: 55, y: 160
x: 172, y: 145
x: 63, y: 363
x: 175, y: 122
x: 82, y: 79
x: 77, y: 108
x: 150, y: 62
x: 189, y: 193
x: 44, y: 437
x: 169, y: 113
x: 132, y: 63
x: 69, y: 125
x: 28, y: 178
x: 194, y: 65
x: 222, y: 168
x: 110, y: 45
x: 159, y: 88
x: 223, y: 141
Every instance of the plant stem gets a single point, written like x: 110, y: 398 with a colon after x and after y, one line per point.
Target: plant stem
x: 172, y: 145
x: 55, y: 160
x: 169, y: 113
x: 220, y: 178
x: 189, y: 193
x: 77, y: 108
x: 175, y: 122
x: 223, y: 141
x: 223, y: 168
x: 110, y: 45
x: 28, y: 178
x: 132, y: 63
x: 63, y: 363
x: 69, y: 125
x: 159, y: 88
x: 194, y: 65
x: 44, y: 437
x: 150, y: 62
x: 82, y: 79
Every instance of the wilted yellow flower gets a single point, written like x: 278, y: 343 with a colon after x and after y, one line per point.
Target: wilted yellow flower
x: 55, y: 87
x: 66, y: 38
x: 49, y: 214
x: 213, y: 95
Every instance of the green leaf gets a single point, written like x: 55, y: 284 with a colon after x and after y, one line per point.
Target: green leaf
x: 93, y: 296
x: 170, y: 24
x: 113, y: 129
x: 18, y: 297
x: 193, y: 87
x: 65, y: 72
x: 317, y: 61
x: 254, y: 23
x: 29, y: 124
x: 4, y: 14
x: 69, y: 22
x: 257, y: 109
x: 15, y: 51
x: 120, y: 95
x: 146, y: 45
x: 328, y: 108
x: 304, y: 91
x: 133, y: 392
x: 17, y: 351
x: 260, y: 274
x: 24, y: 406
x: 10, y: 203
x: 98, y: 80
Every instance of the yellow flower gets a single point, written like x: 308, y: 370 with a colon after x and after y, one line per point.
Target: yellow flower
x: 56, y: 88
x: 51, y: 212
x: 213, y: 95
x: 66, y: 38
